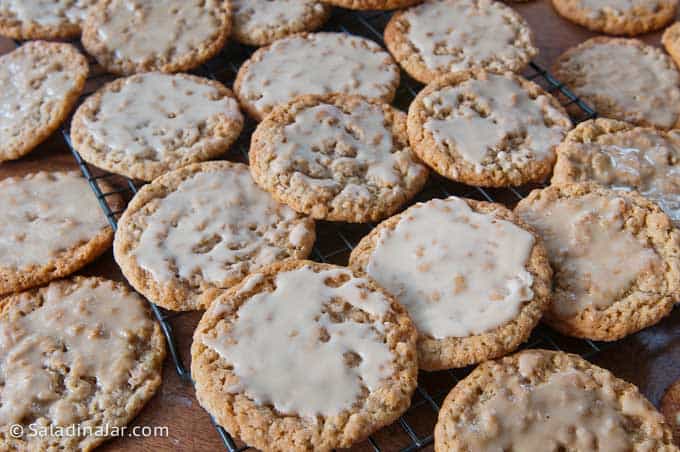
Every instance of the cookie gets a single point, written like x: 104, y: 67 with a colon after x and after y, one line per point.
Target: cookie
x: 261, y: 22
x: 473, y: 277
x: 546, y: 400
x: 671, y: 42
x: 51, y: 225
x: 40, y: 19
x: 202, y: 228
x: 41, y: 83
x: 625, y: 17
x: 83, y: 354
x: 670, y: 407
x: 130, y: 36
x: 372, y: 4
x: 623, y: 79
x: 337, y: 158
x: 439, y: 37
x: 148, y: 124
x: 616, y: 258
x: 303, y: 356
x: 487, y: 129
x: 276, y: 74
x: 621, y: 156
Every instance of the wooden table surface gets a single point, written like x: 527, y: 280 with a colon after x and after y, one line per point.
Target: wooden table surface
x: 650, y: 359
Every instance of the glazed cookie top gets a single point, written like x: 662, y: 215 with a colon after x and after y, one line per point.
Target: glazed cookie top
x: 204, y: 227
x: 40, y: 19
x: 485, y: 128
x: 624, y: 157
x: 128, y: 36
x: 347, y: 64
x: 307, y: 344
x: 41, y: 82
x: 610, y: 251
x: 457, y: 272
x: 59, y: 333
x: 260, y: 22
x: 646, y: 93
x: 541, y: 400
x: 43, y: 215
x: 339, y: 158
x: 145, y: 125
x: 438, y: 37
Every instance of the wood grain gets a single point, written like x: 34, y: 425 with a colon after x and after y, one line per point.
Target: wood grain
x: 649, y: 359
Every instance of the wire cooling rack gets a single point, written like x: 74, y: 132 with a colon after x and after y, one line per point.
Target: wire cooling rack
x: 335, y: 241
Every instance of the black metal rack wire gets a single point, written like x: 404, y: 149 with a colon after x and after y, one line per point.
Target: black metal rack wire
x: 335, y: 241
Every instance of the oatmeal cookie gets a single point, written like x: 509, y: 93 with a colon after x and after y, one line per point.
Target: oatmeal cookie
x: 202, y: 228
x: 474, y: 278
x: 41, y: 83
x: 148, y: 124
x: 547, y: 400
x: 623, y: 79
x: 338, y: 158
x: 83, y: 353
x: 304, y: 356
x: 616, y: 258
x: 51, y: 225
x: 439, y: 37
x: 40, y: 19
x: 487, y: 129
x: 343, y: 63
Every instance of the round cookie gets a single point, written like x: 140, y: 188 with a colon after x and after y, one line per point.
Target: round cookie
x: 41, y: 83
x: 40, y: 19
x: 51, y: 225
x: 670, y: 407
x: 548, y: 400
x: 474, y: 278
x: 129, y: 36
x: 623, y: 79
x: 439, y: 37
x: 304, y: 356
x: 202, y: 228
x: 618, y: 17
x: 261, y: 22
x: 616, y: 258
x: 671, y: 42
x: 487, y: 129
x: 148, y: 124
x: 337, y: 158
x: 82, y: 353
x: 347, y: 64
x: 372, y: 4
x: 621, y: 156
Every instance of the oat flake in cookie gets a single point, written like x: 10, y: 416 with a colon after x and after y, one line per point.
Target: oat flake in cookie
x: 616, y: 258
x: 148, y: 124
x: 540, y: 400
x: 315, y: 63
x: 472, y: 276
x: 41, y: 82
x: 43, y: 19
x: 623, y: 79
x: 129, y: 36
x: 439, y: 37
x: 624, y: 157
x: 202, y: 228
x: 82, y: 353
x: 304, y: 356
x: 51, y: 225
x: 487, y: 129
x: 261, y: 22
x: 618, y: 17
x: 337, y: 158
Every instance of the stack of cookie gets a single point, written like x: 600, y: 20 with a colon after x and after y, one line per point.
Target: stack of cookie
x: 292, y: 354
